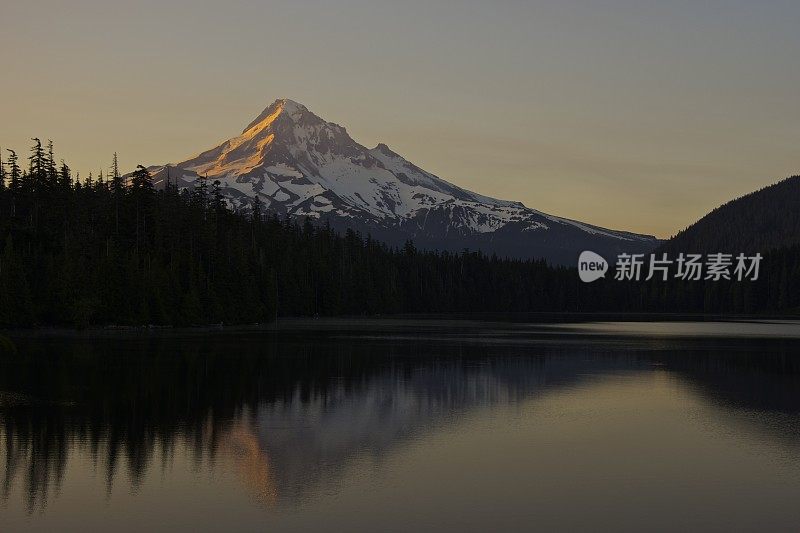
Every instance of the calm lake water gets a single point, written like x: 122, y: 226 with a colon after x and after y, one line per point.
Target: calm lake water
x: 405, y: 426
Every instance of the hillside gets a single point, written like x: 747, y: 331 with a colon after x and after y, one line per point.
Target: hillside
x: 758, y: 222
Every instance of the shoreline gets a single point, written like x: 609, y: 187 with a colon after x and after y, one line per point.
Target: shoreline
x: 426, y: 321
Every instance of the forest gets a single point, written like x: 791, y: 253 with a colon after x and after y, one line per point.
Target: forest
x: 764, y: 219
x: 115, y: 250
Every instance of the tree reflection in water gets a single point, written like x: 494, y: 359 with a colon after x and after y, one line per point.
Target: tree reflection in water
x: 291, y: 410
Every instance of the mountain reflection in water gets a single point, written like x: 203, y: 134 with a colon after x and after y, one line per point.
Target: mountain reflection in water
x: 289, y: 414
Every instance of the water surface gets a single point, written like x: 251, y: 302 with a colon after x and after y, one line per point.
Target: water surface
x: 405, y: 425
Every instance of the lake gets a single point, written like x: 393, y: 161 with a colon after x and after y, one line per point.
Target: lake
x: 404, y: 425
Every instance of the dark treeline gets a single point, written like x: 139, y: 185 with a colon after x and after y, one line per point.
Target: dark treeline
x: 118, y: 251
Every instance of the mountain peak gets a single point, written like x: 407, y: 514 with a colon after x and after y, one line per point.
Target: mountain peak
x: 289, y: 107
x: 281, y: 106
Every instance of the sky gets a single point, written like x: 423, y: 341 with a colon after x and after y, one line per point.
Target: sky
x: 639, y: 115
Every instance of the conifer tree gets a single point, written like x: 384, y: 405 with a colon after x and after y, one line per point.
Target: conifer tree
x: 201, y: 192
x: 141, y: 179
x: 37, y: 167
x: 216, y: 197
x: 115, y: 170
x: 116, y: 178
x: 117, y: 190
x: 142, y: 194
x: 14, y: 171
x: 64, y: 177
x: 50, y: 165
x: 15, y: 178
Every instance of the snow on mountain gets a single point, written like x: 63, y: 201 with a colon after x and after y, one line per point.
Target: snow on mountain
x: 302, y: 166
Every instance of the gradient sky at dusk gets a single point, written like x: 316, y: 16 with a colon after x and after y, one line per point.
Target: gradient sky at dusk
x: 632, y: 114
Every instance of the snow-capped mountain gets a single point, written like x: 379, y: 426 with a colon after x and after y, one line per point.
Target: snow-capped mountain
x: 302, y: 166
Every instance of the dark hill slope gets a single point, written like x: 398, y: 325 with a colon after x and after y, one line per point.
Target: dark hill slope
x: 760, y: 221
